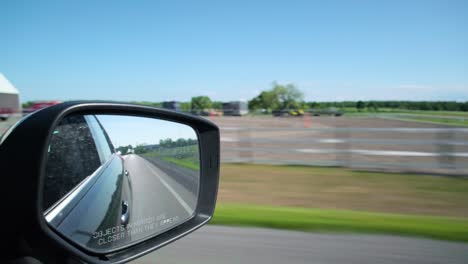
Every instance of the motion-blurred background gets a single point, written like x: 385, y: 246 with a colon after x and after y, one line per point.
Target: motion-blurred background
x: 344, y: 124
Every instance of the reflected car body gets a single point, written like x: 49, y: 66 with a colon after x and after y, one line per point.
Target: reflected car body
x: 101, y: 200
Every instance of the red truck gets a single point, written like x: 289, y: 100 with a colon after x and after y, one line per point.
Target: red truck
x: 39, y: 105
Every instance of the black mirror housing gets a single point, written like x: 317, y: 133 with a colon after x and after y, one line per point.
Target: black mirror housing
x: 23, y: 155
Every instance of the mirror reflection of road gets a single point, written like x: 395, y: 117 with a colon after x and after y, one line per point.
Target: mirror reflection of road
x: 159, y: 194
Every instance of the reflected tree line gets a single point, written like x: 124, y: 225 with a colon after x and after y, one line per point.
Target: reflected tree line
x: 182, y: 152
x: 163, y: 145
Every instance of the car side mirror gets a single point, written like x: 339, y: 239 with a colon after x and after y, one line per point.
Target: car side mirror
x: 107, y: 182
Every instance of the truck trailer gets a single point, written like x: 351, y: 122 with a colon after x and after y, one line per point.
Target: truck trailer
x: 236, y: 108
x: 9, y: 99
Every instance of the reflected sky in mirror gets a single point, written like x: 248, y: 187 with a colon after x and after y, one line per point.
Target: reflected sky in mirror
x: 150, y: 130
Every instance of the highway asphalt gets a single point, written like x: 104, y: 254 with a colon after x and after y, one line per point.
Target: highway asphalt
x: 4, y: 125
x: 156, y: 196
x: 229, y: 245
x: 190, y: 179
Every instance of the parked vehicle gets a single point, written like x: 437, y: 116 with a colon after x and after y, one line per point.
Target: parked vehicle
x: 171, y: 105
x: 290, y: 112
x: 235, y: 108
x: 332, y: 111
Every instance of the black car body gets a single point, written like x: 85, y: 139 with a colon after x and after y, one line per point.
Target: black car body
x: 101, y: 189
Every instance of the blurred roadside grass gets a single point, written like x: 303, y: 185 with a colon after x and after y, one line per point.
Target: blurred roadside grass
x: 343, y: 200
x: 182, y: 160
x: 454, y: 118
x: 327, y: 220
x: 435, y: 120
x: 343, y: 189
x: 186, y: 163
x: 353, y: 111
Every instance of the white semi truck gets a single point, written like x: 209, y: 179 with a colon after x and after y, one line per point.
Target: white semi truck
x: 9, y: 99
x: 236, y: 108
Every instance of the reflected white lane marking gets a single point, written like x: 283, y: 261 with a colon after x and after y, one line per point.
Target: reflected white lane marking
x: 383, y: 152
x: 169, y: 188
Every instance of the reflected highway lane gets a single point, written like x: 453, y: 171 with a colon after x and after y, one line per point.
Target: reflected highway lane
x: 157, y: 195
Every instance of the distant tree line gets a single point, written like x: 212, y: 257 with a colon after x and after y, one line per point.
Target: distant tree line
x: 278, y: 98
x: 404, y: 105
x: 124, y: 149
x: 163, y: 143
x: 27, y: 104
x: 181, y: 142
x: 197, y: 103
x: 288, y: 96
x: 270, y: 101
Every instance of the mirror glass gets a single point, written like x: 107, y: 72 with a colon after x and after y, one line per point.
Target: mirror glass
x: 111, y: 180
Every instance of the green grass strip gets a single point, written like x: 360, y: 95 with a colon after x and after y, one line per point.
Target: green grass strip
x: 325, y: 220
x: 435, y: 120
x: 182, y: 162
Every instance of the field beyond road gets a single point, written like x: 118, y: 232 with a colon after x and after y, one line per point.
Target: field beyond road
x: 346, y: 189
x: 343, y: 200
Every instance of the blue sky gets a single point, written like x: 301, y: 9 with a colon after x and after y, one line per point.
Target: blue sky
x: 230, y: 50
x: 129, y: 130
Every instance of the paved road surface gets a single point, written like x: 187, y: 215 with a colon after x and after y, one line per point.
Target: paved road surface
x: 4, y: 125
x: 350, y: 142
x: 156, y: 194
x: 219, y: 245
x: 188, y: 178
